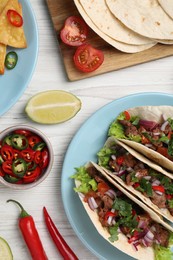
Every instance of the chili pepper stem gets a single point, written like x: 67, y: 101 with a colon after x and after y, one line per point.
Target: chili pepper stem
x: 23, y: 211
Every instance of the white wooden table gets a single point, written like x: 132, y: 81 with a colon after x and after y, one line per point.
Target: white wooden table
x: 156, y: 76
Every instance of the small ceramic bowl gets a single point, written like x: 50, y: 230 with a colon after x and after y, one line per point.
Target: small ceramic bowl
x: 21, y: 165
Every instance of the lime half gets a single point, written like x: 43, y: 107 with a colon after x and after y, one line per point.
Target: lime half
x: 52, y: 107
x: 5, y: 250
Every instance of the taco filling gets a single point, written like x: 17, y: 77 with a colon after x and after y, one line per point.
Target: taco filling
x: 133, y: 172
x: 118, y: 214
x: 155, y: 136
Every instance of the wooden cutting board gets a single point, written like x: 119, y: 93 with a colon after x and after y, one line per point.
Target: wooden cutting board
x: 114, y: 59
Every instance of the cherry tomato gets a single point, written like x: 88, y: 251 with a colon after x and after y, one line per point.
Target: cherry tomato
x: 103, y: 187
x: 74, y: 32
x: 14, y: 18
x: 145, y: 140
x: 87, y: 58
x: 127, y: 115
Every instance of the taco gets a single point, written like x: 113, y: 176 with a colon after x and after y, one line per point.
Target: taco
x: 149, y: 130
x: 120, y: 218
x: 146, y: 180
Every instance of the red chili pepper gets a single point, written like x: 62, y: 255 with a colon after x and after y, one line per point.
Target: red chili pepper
x: 59, y: 241
x: 44, y: 159
x: 7, y: 167
x: 27, y: 154
x: 158, y: 188
x: 15, y: 18
x: 33, y: 139
x: 30, y: 234
x: 7, y: 152
x: 31, y: 176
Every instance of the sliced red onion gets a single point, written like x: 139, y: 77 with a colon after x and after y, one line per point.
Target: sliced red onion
x: 115, y: 173
x: 149, y: 236
x: 142, y: 223
x: 148, y: 125
x: 158, y: 192
x: 155, y: 183
x: 147, y: 177
x: 121, y: 172
x: 156, y: 134
x: 134, y: 245
x: 92, y: 203
x: 164, y: 125
x: 144, y: 242
x: 113, y: 157
x: 148, y: 145
x: 111, y: 193
x: 129, y: 169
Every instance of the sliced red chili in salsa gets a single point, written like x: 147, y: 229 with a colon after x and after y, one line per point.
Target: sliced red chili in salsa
x: 14, y: 18
x: 7, y: 152
x: 74, y: 32
x: 87, y: 58
x: 23, y: 156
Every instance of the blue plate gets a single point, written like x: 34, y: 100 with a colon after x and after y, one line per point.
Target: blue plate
x: 14, y: 82
x: 83, y: 148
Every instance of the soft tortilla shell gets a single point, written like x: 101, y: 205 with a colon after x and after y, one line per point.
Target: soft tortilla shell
x: 122, y: 243
x: 99, y: 13
x: 128, y: 48
x: 153, y: 113
x: 145, y: 17
x: 167, y: 6
x: 164, y: 212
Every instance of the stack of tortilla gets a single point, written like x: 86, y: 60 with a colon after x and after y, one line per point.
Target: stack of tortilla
x: 10, y: 35
x: 129, y: 25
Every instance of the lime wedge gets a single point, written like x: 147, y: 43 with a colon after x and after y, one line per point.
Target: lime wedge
x: 52, y: 107
x: 5, y: 250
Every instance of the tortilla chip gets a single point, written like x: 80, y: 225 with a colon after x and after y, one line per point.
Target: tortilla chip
x: 3, y: 4
x: 9, y: 34
x: 2, y: 57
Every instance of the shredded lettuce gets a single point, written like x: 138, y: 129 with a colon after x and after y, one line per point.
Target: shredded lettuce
x: 104, y: 155
x: 87, y: 183
x: 164, y: 253
x: 117, y: 130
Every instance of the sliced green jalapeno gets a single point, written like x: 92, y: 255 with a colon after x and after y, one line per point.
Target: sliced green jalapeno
x: 19, y: 142
x: 19, y: 167
x: 11, y: 60
x: 39, y: 146
x: 7, y: 140
x: 10, y: 178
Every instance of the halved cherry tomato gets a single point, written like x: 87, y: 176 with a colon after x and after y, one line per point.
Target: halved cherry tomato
x: 103, y: 187
x: 87, y: 58
x: 74, y: 32
x: 127, y: 115
x: 14, y: 18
